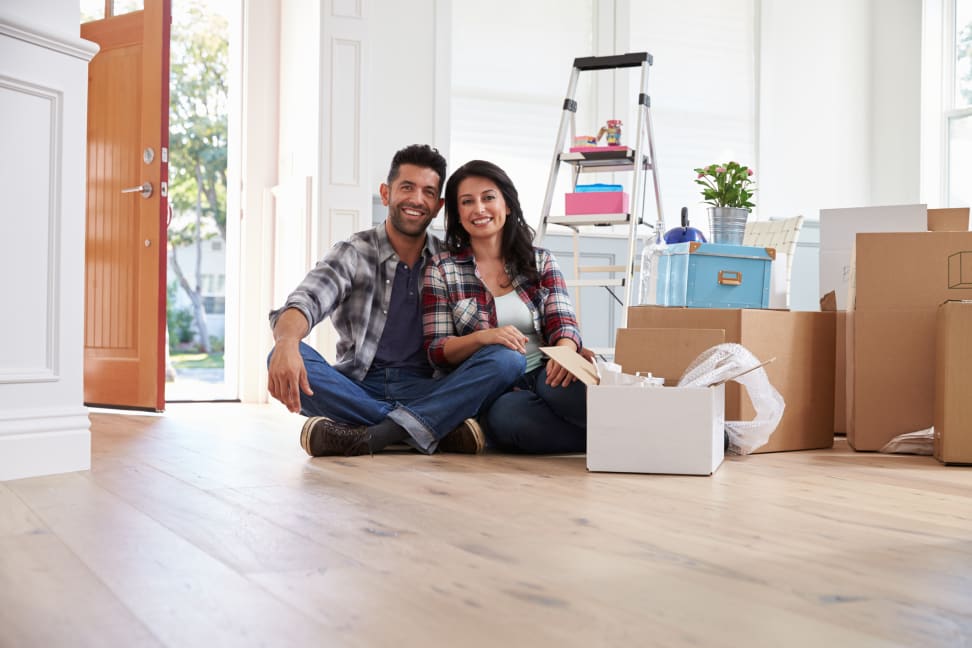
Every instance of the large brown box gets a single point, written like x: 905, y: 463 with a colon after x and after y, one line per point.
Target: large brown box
x: 803, y: 373
x: 899, y: 281
x: 953, y: 383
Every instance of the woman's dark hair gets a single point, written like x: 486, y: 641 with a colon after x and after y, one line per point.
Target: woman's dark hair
x: 517, y: 242
x: 420, y: 155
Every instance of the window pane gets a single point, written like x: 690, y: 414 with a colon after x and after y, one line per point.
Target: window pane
x: 704, y: 81
x: 119, y: 7
x: 504, y: 109
x: 963, y: 53
x: 960, y: 161
x: 92, y: 10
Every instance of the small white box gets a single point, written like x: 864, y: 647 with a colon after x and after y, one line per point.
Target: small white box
x: 666, y: 430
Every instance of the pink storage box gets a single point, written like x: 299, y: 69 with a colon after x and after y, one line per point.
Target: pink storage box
x: 596, y: 202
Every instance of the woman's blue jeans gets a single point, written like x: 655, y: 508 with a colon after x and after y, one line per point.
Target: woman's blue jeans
x: 537, y: 418
x: 428, y: 408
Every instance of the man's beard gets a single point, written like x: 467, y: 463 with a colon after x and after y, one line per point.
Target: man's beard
x: 405, y: 226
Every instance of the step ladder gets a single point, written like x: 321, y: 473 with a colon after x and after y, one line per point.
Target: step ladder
x: 638, y: 159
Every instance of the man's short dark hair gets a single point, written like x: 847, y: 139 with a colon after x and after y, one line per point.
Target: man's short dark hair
x: 421, y: 155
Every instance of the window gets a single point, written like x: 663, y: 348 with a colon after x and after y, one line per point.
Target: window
x: 958, y: 115
x: 506, y: 107
x: 502, y: 109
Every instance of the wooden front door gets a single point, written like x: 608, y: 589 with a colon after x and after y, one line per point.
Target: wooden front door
x: 125, y: 240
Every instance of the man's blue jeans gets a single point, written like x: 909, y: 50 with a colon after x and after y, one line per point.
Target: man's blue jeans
x: 428, y: 408
x: 538, y: 418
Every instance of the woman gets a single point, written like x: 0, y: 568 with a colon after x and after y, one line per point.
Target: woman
x: 493, y: 287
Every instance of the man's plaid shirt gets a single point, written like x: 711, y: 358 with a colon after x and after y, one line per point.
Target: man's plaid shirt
x: 456, y: 302
x: 352, y: 284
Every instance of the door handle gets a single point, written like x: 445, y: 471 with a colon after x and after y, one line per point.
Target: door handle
x: 145, y: 189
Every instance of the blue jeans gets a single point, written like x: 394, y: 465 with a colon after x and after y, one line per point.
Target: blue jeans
x: 428, y: 408
x: 538, y: 418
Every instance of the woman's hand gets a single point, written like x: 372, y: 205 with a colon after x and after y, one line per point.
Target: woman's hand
x: 557, y: 376
x: 508, y: 336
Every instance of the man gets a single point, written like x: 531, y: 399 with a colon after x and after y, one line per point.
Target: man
x: 381, y: 390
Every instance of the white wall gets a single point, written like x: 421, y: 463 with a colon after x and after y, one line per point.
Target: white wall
x: 895, y: 99
x: 44, y: 425
x: 839, y: 111
x: 404, y: 68
x: 814, y: 106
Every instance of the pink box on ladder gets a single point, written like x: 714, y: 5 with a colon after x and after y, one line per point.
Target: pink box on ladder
x: 596, y: 202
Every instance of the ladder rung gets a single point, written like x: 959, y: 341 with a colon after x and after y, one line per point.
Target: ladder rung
x: 589, y: 219
x: 612, y: 62
x: 611, y: 268
x: 584, y: 283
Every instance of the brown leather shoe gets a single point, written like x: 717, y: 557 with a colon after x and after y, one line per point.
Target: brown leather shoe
x: 468, y: 438
x: 321, y: 437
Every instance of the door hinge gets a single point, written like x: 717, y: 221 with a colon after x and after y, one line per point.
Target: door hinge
x: 164, y: 189
x: 165, y: 154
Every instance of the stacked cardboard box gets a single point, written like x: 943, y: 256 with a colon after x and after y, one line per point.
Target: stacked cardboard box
x: 899, y: 281
x: 801, y: 342
x: 953, y: 383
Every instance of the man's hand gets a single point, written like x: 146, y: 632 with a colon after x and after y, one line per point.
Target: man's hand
x: 287, y: 374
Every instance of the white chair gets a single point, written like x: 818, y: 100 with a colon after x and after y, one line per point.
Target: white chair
x: 781, y: 235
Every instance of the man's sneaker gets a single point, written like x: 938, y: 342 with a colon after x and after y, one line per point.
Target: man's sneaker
x: 321, y: 437
x: 468, y: 438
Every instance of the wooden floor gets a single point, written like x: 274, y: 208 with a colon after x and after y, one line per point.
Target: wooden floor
x: 208, y: 526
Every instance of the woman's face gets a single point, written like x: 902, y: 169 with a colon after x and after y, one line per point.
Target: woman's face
x: 482, y: 210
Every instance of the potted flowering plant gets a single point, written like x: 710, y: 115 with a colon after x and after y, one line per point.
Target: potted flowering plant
x: 728, y: 188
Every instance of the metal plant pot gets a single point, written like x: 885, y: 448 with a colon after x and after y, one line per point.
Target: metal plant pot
x: 727, y: 224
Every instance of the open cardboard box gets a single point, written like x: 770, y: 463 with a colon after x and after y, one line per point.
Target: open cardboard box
x: 635, y: 429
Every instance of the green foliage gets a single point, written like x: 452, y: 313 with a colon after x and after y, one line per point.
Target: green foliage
x: 726, y: 185
x: 180, y: 326
x: 198, y: 120
x: 179, y: 320
x: 197, y: 360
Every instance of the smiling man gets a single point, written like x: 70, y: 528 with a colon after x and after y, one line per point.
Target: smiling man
x: 381, y: 390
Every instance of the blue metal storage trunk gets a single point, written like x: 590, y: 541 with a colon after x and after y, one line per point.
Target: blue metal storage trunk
x: 714, y: 275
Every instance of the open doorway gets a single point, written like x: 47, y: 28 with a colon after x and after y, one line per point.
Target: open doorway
x: 203, y: 242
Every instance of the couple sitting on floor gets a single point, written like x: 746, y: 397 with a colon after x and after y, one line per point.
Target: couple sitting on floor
x: 435, y: 339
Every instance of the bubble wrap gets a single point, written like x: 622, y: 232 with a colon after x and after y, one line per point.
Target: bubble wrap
x: 724, y: 361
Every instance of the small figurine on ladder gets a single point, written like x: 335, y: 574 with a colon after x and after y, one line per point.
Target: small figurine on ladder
x: 613, y: 132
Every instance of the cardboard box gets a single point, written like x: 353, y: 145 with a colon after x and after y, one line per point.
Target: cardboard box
x: 665, y: 430
x: 953, y: 383
x: 899, y: 281
x: 802, y: 343
x: 838, y: 227
x: 951, y: 219
x: 840, y: 373
x: 596, y: 202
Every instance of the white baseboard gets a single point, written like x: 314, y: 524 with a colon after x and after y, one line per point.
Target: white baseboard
x: 44, y: 444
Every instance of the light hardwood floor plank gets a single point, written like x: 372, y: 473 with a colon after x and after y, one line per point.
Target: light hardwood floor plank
x: 213, y: 519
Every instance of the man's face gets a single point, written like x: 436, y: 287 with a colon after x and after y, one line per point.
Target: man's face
x: 412, y: 199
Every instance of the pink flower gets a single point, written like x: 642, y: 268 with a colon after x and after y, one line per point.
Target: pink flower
x: 720, y: 169
x: 749, y: 172
x: 701, y: 175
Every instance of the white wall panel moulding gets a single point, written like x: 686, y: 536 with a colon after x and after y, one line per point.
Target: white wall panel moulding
x: 39, y: 420
x: 76, y: 47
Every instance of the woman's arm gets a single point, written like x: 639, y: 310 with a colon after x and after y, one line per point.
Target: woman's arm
x: 444, y: 347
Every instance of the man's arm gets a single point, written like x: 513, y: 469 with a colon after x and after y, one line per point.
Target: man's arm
x: 286, y: 373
